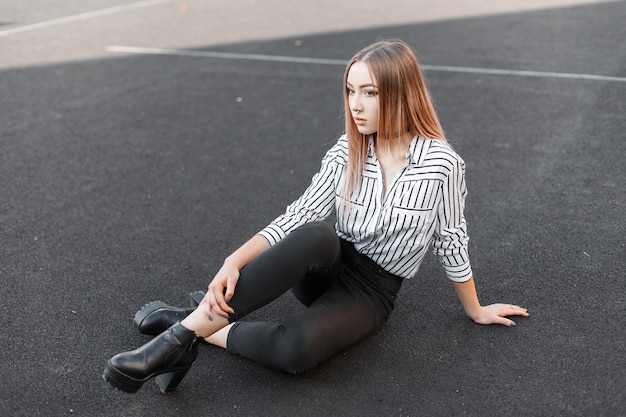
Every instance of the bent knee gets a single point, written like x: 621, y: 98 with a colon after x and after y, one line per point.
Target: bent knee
x: 321, y: 236
x: 319, y: 232
x: 298, y: 353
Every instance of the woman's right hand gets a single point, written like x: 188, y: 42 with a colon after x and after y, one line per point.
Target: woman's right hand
x: 221, y: 290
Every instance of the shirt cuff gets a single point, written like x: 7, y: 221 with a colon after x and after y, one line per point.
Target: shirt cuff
x: 273, y: 234
x: 458, y: 273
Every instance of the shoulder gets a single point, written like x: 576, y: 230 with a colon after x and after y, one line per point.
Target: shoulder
x: 440, y: 153
x: 339, y: 152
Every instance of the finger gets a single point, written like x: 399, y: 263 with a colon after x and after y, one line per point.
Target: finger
x: 208, y: 308
x: 514, y: 307
x: 231, y: 283
x: 222, y: 307
x: 207, y: 298
x: 504, y: 321
x: 230, y: 291
x: 509, y: 310
x: 214, y: 303
x: 515, y: 311
x: 217, y: 302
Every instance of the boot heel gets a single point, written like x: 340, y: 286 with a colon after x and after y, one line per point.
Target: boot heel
x: 167, y: 357
x: 169, y: 381
x: 196, y: 297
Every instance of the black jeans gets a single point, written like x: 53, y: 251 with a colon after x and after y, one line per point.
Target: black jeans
x: 347, y: 297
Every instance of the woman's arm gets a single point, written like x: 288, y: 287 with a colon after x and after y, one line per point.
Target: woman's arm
x: 248, y: 251
x: 222, y: 287
x: 316, y: 203
x: 491, y: 314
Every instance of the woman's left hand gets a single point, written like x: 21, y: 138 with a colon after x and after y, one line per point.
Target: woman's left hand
x: 497, y: 314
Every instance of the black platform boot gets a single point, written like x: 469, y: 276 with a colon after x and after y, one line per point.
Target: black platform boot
x: 167, y: 357
x: 156, y: 317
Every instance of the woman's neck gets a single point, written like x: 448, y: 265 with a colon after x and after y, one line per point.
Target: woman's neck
x: 394, y: 149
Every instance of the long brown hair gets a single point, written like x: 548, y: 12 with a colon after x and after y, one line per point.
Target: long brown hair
x: 405, y: 107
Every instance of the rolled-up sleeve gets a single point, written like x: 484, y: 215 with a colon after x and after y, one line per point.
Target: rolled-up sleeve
x: 450, y: 243
x: 317, y: 201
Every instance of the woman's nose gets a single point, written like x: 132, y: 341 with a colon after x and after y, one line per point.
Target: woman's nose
x: 355, y: 104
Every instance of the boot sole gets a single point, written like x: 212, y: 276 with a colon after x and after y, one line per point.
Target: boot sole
x: 146, y: 310
x: 167, y: 380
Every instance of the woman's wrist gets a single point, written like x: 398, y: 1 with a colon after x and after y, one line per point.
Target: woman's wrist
x: 466, y: 292
x: 232, y: 262
x: 247, y: 252
x: 474, y: 313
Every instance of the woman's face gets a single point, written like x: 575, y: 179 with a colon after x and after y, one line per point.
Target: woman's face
x: 363, y: 98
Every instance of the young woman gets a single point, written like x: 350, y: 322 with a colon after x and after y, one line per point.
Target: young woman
x: 397, y: 188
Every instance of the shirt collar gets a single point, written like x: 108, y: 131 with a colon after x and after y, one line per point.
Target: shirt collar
x: 417, y: 150
x: 416, y: 153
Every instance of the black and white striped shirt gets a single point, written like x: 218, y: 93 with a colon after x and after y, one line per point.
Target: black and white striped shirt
x: 422, y: 209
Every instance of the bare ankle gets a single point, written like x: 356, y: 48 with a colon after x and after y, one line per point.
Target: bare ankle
x: 200, y: 324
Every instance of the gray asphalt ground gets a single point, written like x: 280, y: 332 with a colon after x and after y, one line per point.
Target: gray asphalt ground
x: 128, y: 177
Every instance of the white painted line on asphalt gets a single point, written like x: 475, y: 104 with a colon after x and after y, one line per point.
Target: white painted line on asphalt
x: 224, y: 55
x: 322, y: 61
x: 81, y: 16
x: 517, y: 73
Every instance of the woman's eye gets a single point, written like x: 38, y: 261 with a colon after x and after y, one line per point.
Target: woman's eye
x: 370, y: 93
x: 350, y: 90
